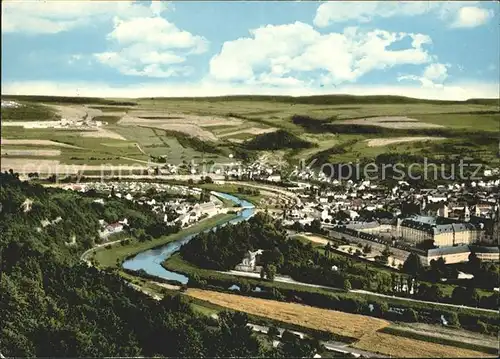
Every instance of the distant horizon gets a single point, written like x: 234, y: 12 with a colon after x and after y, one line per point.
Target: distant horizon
x: 434, y: 50
x: 254, y: 95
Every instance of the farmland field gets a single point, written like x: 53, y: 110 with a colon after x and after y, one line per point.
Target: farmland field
x: 365, y: 330
x: 351, y: 325
x: 401, y: 347
x: 181, y: 129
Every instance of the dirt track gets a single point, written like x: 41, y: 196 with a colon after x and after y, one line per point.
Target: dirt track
x: 25, y: 165
x: 379, y: 142
x: 9, y: 141
x: 250, y: 130
x: 102, y: 133
x: 400, y: 122
x: 16, y: 152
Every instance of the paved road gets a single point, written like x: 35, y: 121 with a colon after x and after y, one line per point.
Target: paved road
x: 290, y: 280
x: 88, y: 251
x: 279, y: 278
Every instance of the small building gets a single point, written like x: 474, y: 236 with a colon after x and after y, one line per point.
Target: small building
x: 249, y: 262
x: 460, y: 254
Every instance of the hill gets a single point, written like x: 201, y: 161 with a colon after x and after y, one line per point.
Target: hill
x: 55, y: 306
x: 279, y: 140
x: 330, y: 99
x: 182, y: 130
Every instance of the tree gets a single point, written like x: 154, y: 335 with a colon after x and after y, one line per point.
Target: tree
x: 410, y: 315
x: 272, y: 257
x: 474, y: 263
x: 427, y: 244
x: 412, y: 265
x: 471, y: 296
x: 263, y: 273
x: 294, y: 347
x: 328, y: 250
x: 453, y: 320
x: 482, y: 327
x: 273, y: 332
x: 270, y: 271
x: 458, y: 295
x: 346, y: 284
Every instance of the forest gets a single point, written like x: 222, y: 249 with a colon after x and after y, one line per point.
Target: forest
x: 226, y: 247
x: 55, y: 306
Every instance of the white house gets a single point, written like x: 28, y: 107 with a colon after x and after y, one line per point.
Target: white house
x: 248, y: 264
x: 111, y: 229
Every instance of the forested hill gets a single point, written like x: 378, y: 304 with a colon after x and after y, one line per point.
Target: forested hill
x: 54, y: 306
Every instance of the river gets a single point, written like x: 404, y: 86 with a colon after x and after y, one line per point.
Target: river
x: 150, y: 261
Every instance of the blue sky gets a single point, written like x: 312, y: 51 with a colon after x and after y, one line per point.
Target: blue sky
x: 447, y: 50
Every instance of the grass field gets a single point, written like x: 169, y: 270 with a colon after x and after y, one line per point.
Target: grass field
x: 339, y: 323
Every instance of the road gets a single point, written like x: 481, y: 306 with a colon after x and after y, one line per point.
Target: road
x: 278, y: 278
x: 423, y: 301
x: 360, y: 291
x: 331, y: 345
x: 88, y: 251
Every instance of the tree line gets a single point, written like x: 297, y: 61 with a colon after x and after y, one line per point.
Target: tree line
x: 55, y: 306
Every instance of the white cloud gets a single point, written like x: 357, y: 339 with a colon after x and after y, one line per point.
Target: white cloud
x: 456, y: 91
x: 295, y: 49
x: 49, y: 17
x: 436, y: 72
x: 471, y: 16
x: 153, y: 50
x: 433, y: 76
x: 453, y: 12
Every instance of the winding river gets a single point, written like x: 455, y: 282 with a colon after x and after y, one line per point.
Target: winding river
x: 150, y: 260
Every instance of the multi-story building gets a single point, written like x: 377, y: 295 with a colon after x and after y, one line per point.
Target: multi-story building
x: 443, y: 231
x: 460, y: 254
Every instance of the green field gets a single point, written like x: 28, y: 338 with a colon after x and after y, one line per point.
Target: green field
x: 468, y: 127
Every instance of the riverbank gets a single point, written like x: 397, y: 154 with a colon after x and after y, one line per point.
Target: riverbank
x: 114, y: 256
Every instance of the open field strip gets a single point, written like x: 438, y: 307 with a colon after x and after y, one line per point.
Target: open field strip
x: 377, y: 142
x: 399, y: 122
x: 402, y: 347
x: 249, y: 130
x: 102, y: 133
x: 24, y: 165
x: 345, y: 324
x: 10, y: 141
x: 29, y: 153
x: 459, y: 338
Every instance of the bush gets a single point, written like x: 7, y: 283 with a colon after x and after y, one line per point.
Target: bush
x: 410, y: 315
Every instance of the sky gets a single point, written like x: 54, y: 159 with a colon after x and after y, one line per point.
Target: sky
x: 438, y: 50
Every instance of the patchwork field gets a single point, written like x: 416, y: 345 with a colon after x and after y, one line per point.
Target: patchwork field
x: 210, y: 129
